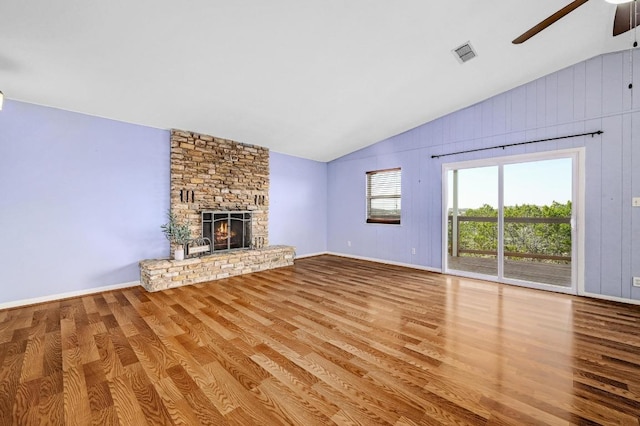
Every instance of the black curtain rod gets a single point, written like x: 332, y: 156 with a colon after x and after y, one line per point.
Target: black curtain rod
x: 592, y: 134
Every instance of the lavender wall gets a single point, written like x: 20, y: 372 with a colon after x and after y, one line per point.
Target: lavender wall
x: 589, y: 96
x: 81, y: 200
x: 297, y: 203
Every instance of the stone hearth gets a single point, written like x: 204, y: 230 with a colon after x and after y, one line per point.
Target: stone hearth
x: 161, y: 274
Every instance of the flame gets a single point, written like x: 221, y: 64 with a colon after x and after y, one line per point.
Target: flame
x: 223, y: 233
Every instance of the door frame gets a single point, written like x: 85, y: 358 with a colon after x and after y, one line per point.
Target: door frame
x: 577, y: 155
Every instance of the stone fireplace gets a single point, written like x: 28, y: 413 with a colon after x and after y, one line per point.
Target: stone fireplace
x: 221, y: 188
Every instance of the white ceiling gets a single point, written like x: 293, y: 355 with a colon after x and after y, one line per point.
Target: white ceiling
x: 311, y: 78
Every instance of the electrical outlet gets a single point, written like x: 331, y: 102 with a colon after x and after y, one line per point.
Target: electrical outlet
x: 413, y: 250
x: 349, y: 243
x: 636, y: 281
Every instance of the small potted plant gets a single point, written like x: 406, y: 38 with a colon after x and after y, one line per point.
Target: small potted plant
x: 177, y: 233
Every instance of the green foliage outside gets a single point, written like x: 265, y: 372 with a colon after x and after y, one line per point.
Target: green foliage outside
x: 550, y: 239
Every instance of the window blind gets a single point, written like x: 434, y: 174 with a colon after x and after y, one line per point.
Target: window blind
x: 384, y: 196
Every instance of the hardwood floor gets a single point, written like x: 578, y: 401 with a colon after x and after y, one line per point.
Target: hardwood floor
x: 327, y: 341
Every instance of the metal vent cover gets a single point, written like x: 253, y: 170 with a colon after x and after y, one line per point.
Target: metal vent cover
x: 464, y: 52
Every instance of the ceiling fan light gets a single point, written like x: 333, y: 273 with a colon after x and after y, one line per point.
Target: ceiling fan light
x: 619, y: 1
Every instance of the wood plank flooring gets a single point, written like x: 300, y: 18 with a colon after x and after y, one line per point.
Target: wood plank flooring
x: 327, y: 341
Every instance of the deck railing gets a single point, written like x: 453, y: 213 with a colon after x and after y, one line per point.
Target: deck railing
x: 523, y: 220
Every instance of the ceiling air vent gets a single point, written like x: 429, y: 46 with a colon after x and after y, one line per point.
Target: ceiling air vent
x: 464, y: 53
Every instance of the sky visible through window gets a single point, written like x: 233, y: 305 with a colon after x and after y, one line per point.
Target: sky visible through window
x: 539, y: 183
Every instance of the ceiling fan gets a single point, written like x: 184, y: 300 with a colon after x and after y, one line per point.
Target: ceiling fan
x: 627, y: 17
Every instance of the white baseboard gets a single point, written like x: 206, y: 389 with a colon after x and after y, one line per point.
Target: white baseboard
x: 302, y: 256
x: 610, y: 298
x: 388, y: 262
x: 59, y: 296
x: 438, y: 270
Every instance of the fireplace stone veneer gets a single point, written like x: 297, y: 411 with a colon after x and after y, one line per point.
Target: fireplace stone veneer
x: 161, y: 274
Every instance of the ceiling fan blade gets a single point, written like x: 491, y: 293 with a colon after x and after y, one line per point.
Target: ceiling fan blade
x: 624, y: 21
x: 550, y: 20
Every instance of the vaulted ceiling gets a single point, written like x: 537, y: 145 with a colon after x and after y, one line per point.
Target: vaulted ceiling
x: 311, y: 78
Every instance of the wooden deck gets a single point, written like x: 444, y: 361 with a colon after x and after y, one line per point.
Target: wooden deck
x: 522, y: 269
x: 328, y: 341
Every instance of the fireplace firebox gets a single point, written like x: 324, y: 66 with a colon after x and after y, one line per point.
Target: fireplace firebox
x: 227, y: 230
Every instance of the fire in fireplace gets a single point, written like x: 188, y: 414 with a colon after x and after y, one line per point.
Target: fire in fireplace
x: 227, y: 230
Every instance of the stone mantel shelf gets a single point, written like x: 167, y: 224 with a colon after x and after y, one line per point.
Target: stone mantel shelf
x: 161, y: 274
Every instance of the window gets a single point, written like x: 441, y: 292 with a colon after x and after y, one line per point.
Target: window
x: 383, y: 196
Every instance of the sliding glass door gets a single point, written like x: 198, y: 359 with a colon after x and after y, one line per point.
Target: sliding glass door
x: 511, y: 220
x: 537, y: 221
x: 472, y: 225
